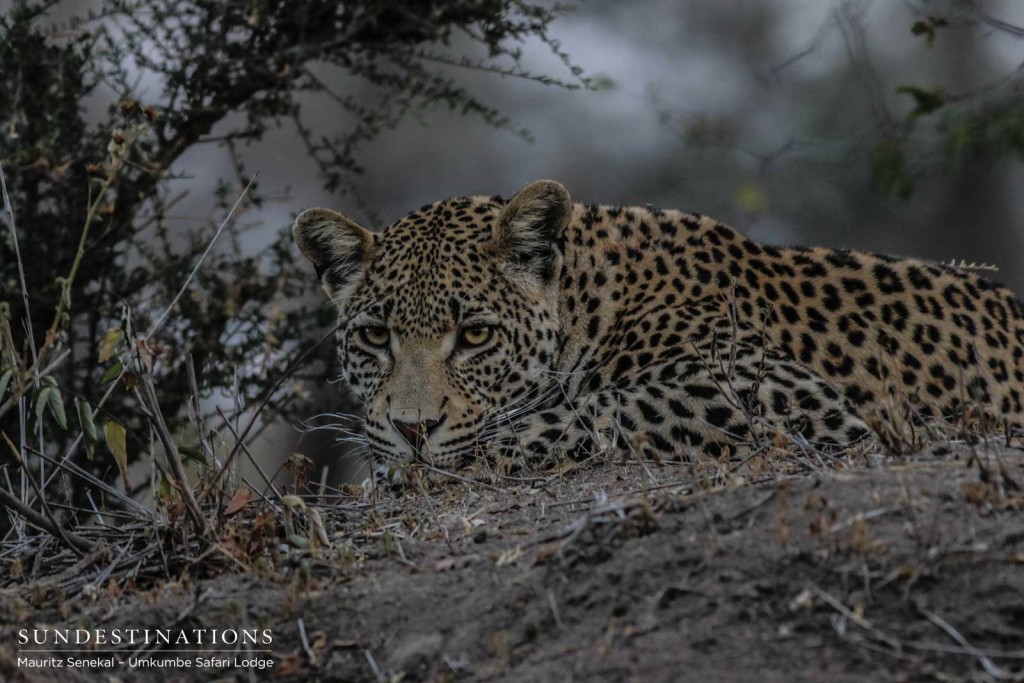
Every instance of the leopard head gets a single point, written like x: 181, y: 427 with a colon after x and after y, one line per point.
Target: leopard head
x: 446, y: 318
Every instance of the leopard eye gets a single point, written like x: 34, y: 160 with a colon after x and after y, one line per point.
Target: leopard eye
x: 475, y: 335
x: 375, y: 336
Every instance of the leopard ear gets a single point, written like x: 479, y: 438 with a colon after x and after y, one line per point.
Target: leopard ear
x: 530, y: 227
x: 338, y: 247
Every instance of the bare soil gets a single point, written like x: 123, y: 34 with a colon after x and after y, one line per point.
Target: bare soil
x: 905, y: 570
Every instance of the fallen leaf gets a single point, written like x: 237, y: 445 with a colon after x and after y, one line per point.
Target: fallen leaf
x: 238, y: 501
x: 58, y: 171
x: 291, y: 665
x: 976, y: 492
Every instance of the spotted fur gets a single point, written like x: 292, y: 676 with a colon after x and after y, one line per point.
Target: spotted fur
x: 657, y: 331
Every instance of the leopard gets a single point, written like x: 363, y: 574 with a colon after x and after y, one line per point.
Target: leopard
x: 534, y: 328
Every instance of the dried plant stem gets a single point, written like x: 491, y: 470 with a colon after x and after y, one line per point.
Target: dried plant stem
x: 49, y: 525
x: 77, y: 440
x: 291, y: 367
x: 147, y: 393
x: 879, y: 635
x: 227, y: 462
x: 116, y: 498
x: 17, y: 257
x: 64, y: 301
x: 987, y: 664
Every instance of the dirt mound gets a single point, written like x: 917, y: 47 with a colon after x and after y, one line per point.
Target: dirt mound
x: 905, y: 571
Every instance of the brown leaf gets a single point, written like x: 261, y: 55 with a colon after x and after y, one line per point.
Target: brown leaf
x: 1013, y: 503
x: 976, y: 492
x: 58, y: 171
x: 292, y: 665
x: 238, y: 501
x: 815, y: 501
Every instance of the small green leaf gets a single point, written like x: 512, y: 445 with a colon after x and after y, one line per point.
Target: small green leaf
x: 85, y: 419
x: 56, y: 405
x: 927, y: 28
x: 112, y: 373
x: 39, y: 404
x: 191, y: 453
x: 923, y: 28
x: 926, y: 101
x: 164, y: 489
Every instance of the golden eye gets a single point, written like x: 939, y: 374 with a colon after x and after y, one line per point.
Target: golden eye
x: 375, y: 336
x: 477, y: 335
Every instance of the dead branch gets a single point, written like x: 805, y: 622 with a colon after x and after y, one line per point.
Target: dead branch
x: 74, y: 541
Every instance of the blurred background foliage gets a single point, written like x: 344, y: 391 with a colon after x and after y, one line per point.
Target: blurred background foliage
x: 888, y: 126
x: 115, y: 109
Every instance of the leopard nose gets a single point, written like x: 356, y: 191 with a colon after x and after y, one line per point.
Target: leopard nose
x: 416, y: 432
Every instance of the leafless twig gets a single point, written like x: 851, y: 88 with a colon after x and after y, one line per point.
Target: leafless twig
x: 195, y: 269
x: 987, y: 664
x: 74, y: 541
x: 855, y: 618
x: 227, y: 462
x: 147, y: 394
